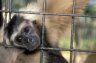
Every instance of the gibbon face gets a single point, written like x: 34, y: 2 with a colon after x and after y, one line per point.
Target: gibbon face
x: 22, y: 33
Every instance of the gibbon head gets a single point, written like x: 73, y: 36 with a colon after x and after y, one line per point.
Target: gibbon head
x: 22, y: 33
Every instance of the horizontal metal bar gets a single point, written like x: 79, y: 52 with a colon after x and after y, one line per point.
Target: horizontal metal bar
x: 55, y: 49
x: 52, y: 14
x: 76, y: 50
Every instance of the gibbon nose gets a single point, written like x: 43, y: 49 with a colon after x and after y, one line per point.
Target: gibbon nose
x: 32, y: 40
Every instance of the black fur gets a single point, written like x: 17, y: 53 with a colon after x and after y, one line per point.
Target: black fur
x: 13, y: 25
x: 56, y: 57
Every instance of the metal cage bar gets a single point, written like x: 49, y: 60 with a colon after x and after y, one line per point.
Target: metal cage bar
x: 43, y: 14
x: 43, y: 31
x: 72, y: 31
x: 52, y: 14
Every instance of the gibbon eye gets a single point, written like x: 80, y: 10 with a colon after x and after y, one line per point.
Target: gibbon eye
x: 19, y: 38
x: 27, y: 29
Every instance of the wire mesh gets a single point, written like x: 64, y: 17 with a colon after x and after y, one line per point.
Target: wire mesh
x: 43, y: 14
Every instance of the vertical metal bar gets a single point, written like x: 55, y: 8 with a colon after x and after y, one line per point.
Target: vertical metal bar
x: 6, y: 8
x: 10, y: 5
x: 72, y: 30
x: 43, y: 28
x: 5, y: 21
